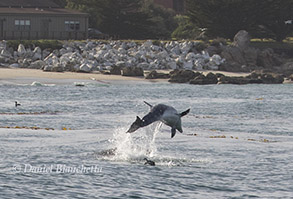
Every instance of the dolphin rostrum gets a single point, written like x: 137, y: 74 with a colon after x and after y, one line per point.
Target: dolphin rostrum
x: 161, y: 112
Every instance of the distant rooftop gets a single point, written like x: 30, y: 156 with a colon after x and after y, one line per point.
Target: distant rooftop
x: 56, y: 11
x: 28, y: 4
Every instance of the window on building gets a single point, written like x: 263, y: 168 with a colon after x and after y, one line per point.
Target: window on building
x: 22, y: 24
x: 72, y: 25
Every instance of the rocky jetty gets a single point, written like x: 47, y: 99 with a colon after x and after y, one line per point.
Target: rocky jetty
x: 112, y: 56
x: 129, y: 58
x: 197, y: 78
x: 241, y: 57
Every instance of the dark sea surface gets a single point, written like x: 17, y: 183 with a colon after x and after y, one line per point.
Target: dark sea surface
x: 66, y: 141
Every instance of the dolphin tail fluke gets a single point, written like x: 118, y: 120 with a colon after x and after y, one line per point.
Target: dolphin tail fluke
x: 135, y: 125
x: 184, y: 112
x: 173, y: 132
x: 151, y: 106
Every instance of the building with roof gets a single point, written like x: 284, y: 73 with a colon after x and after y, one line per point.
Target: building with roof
x: 35, y: 19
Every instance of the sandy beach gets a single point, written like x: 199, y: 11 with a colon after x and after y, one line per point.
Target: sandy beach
x: 14, y: 73
x: 20, y: 75
x: 28, y: 76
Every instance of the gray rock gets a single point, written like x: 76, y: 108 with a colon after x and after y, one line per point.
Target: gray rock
x: 15, y: 65
x: 25, y: 63
x: 267, y: 77
x: 132, y: 71
x: 57, y: 68
x: 242, y: 40
x: 47, y: 68
x: 210, y: 78
x: 37, y: 54
x: 250, y: 55
x: 234, y: 80
x: 21, y: 50
x: 85, y: 68
x: 156, y: 75
x: 234, y: 59
x: 115, y: 70
x: 268, y: 59
x: 287, y: 69
x: 182, y: 76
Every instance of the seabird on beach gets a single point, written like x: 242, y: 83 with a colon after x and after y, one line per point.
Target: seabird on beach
x: 161, y: 112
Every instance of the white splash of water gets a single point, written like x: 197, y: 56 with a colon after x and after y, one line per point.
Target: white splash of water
x: 135, y: 146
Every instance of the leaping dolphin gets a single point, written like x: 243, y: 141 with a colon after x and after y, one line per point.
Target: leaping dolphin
x: 161, y: 112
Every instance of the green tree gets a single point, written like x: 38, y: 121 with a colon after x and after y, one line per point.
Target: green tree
x: 128, y: 19
x: 61, y: 3
x: 125, y: 18
x: 92, y: 7
x: 272, y: 15
x: 185, y: 29
x: 162, y: 20
x: 224, y: 18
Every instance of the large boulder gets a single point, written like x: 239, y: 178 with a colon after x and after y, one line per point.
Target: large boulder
x: 240, y: 57
x: 250, y: 56
x: 39, y: 64
x: 47, y: 68
x: 156, y: 75
x: 182, y: 76
x: 268, y: 59
x: 57, y: 68
x: 241, y: 40
x: 37, y: 54
x: 115, y: 70
x: 210, y: 78
x: 267, y: 77
x: 84, y: 68
x: 234, y: 80
x: 132, y: 71
x: 21, y: 50
x: 287, y: 69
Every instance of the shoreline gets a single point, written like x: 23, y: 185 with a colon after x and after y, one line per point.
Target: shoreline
x: 28, y: 76
x: 7, y: 74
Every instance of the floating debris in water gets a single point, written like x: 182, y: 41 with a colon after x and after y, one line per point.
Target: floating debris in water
x: 259, y: 98
x: 261, y: 140
x: 32, y: 128
x: 65, y: 129
x: 218, y: 136
x: 31, y: 113
x: 249, y: 139
x: 192, y: 134
x: 25, y: 127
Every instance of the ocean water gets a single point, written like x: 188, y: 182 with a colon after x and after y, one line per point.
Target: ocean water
x: 66, y: 141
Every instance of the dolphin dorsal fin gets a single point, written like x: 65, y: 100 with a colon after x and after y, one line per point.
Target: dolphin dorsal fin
x: 151, y: 106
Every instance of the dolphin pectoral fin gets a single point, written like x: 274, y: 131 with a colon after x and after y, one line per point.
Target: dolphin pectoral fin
x: 184, y: 112
x: 173, y: 132
x: 135, y: 125
x: 151, y: 106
